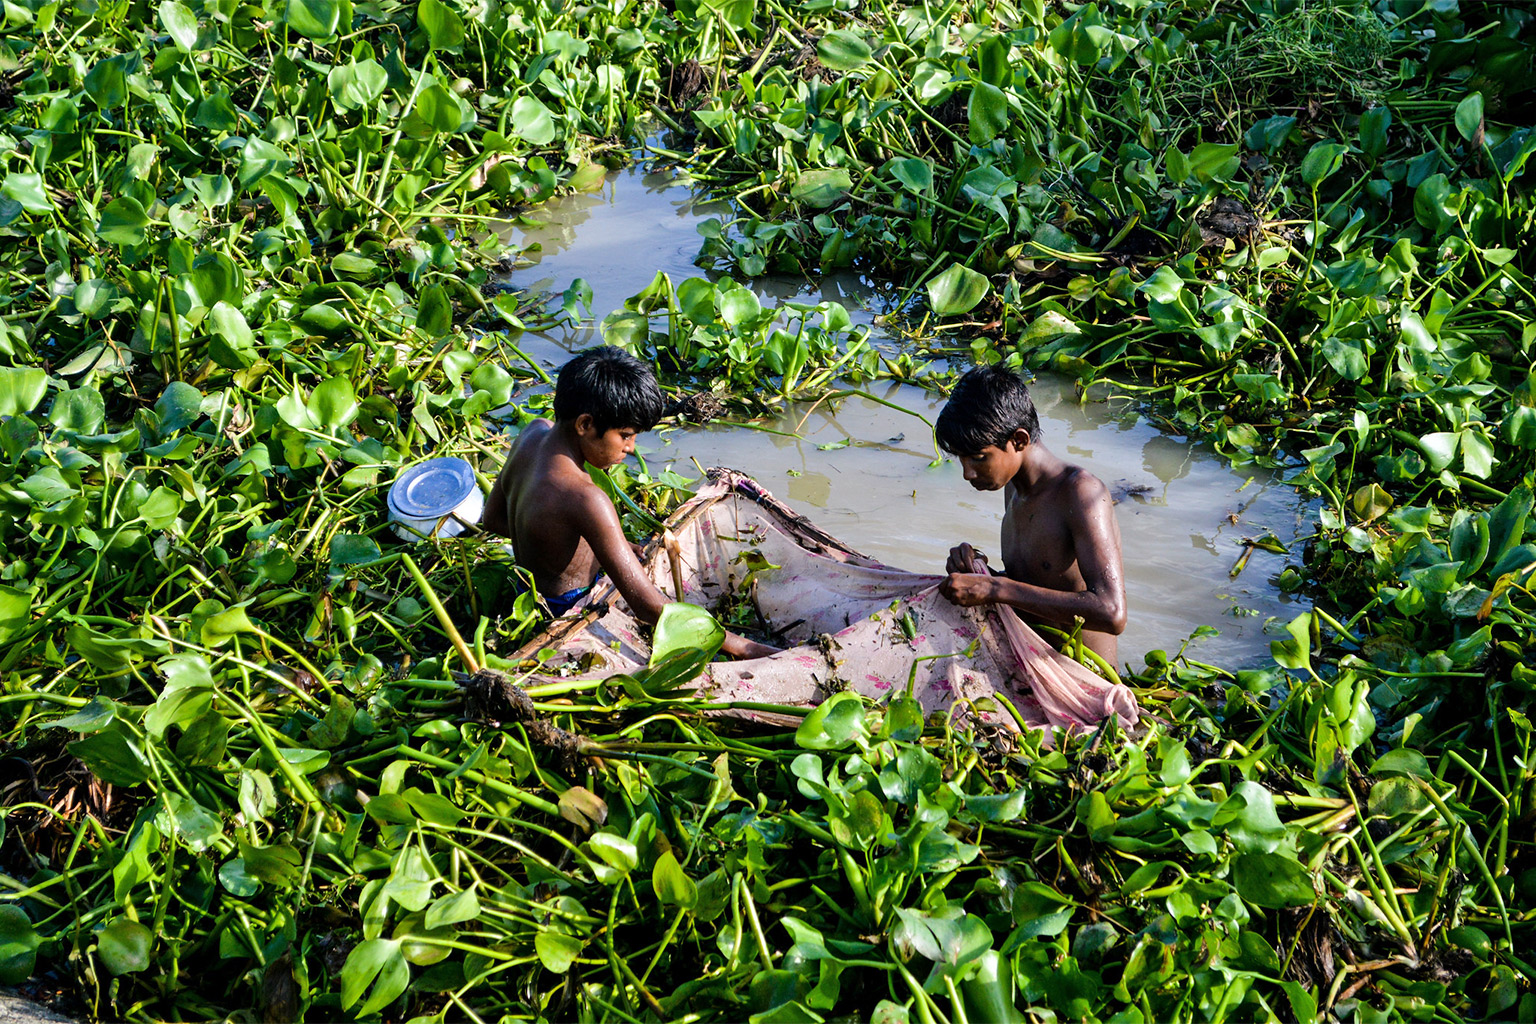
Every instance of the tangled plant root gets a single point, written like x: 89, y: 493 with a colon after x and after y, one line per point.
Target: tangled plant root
x: 495, y: 698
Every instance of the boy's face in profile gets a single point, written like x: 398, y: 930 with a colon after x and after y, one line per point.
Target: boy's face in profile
x: 604, y: 448
x: 991, y: 468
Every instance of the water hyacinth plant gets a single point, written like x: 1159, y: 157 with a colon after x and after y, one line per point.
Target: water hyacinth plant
x: 244, y: 285
x: 723, y: 332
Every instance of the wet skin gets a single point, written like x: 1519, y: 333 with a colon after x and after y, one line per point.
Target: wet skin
x: 564, y: 528
x: 1060, y: 544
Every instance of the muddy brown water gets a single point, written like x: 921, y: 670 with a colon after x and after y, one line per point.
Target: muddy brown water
x: 864, y: 471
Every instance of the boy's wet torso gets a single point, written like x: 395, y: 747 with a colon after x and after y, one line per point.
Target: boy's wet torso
x: 1038, y: 546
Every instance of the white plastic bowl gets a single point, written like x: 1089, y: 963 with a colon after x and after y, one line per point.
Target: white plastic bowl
x: 435, y: 498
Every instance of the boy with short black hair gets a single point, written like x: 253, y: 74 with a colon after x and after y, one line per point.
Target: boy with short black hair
x: 564, y: 529
x: 1060, y: 541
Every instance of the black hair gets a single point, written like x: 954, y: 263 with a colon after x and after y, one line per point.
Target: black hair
x: 986, y: 407
x: 612, y: 386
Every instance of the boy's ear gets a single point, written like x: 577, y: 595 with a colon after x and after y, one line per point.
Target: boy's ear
x: 585, y: 425
x: 1021, y: 439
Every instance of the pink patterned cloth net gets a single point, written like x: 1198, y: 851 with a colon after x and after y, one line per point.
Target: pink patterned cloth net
x: 848, y: 622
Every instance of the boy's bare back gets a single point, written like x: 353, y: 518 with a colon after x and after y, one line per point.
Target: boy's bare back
x: 534, y: 501
x: 563, y: 527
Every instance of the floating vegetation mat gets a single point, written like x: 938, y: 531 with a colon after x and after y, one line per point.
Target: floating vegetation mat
x: 242, y: 285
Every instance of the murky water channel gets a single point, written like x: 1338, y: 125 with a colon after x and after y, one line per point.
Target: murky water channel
x: 862, y: 470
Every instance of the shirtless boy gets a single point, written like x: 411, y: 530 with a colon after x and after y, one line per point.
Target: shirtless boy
x: 563, y: 527
x: 1061, y: 544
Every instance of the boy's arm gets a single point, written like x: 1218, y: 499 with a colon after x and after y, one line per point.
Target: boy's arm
x: 1096, y: 540
x: 494, y: 518
x: 605, y: 536
x: 600, y: 528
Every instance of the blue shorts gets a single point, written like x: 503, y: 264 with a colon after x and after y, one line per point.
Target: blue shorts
x: 559, y: 604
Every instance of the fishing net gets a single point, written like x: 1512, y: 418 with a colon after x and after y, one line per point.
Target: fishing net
x: 847, y: 621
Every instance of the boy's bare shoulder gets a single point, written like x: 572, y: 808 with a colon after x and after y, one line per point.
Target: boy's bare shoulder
x: 564, y: 488
x: 548, y: 476
x: 531, y: 433
x: 523, y: 449
x: 1082, y: 488
x: 582, y: 491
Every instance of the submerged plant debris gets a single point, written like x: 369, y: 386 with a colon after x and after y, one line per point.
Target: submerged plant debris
x: 248, y: 276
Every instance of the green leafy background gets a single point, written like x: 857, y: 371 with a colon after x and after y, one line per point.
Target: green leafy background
x: 244, y: 285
